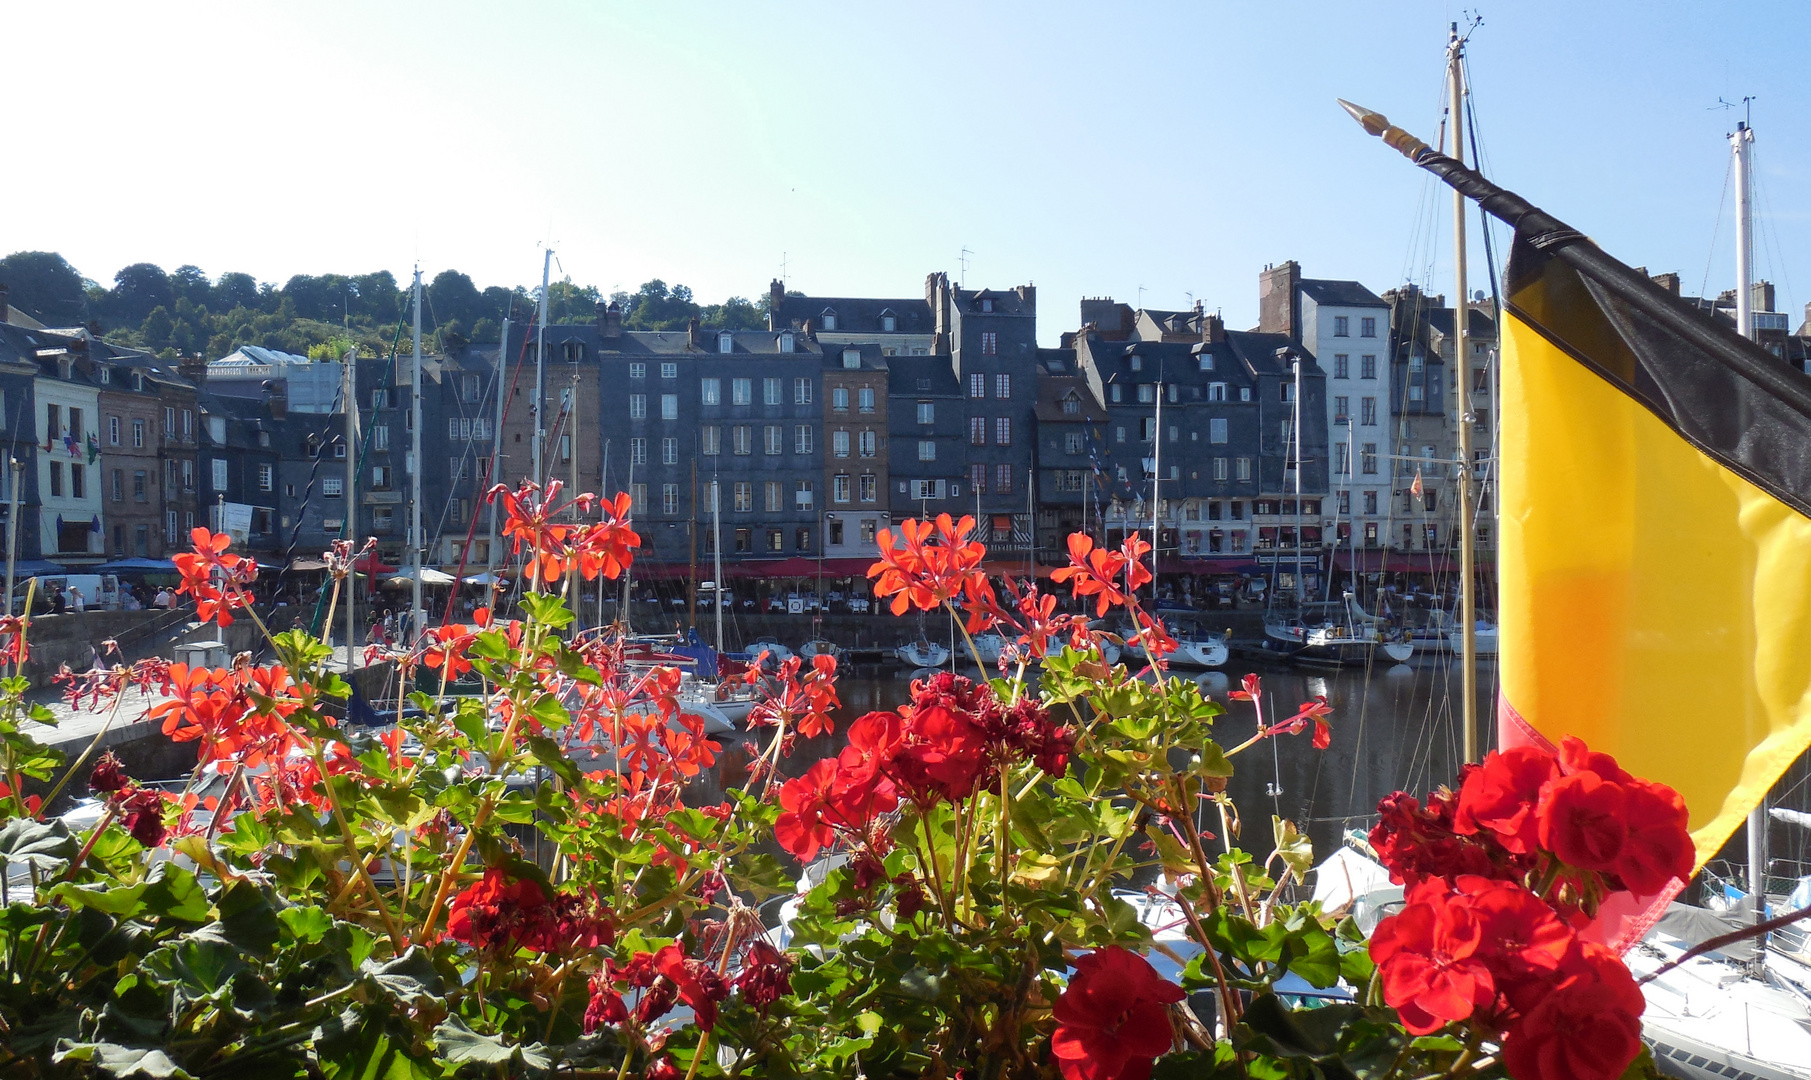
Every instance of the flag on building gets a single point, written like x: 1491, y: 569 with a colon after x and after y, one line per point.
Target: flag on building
x: 1655, y: 530
x: 1415, y: 489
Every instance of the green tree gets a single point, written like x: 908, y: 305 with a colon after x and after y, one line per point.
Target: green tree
x: 453, y: 297
x: 157, y: 330
x: 191, y: 283
x: 137, y: 289
x: 235, y: 290
x: 46, y: 287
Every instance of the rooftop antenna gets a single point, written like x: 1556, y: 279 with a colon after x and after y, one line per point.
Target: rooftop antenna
x: 1141, y: 298
x: 962, y: 279
x: 782, y: 267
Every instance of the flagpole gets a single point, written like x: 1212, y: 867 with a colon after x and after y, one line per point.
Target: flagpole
x: 1741, y: 144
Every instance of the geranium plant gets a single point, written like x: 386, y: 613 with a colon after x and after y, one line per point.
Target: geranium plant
x: 523, y: 880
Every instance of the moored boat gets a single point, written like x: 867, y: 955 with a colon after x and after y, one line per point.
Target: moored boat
x: 922, y: 653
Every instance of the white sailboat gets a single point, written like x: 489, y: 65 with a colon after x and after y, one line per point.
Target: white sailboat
x: 923, y: 653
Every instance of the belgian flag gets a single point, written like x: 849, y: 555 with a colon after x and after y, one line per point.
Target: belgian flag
x: 1655, y: 522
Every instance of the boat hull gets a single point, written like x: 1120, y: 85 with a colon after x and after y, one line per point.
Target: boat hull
x: 923, y: 655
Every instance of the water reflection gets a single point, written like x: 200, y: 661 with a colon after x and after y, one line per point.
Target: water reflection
x: 1394, y: 727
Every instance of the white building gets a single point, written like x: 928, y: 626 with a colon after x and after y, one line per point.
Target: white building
x: 69, y: 478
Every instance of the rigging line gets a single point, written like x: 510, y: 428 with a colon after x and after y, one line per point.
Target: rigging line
x: 1770, y: 236
x: 497, y: 437
x: 1717, y: 229
x: 1490, y: 259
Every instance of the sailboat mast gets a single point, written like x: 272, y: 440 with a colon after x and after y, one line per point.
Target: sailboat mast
x: 349, y: 396
x: 1741, y: 143
x: 496, y: 457
x: 1156, y: 481
x: 1468, y: 603
x: 415, y: 537
x: 717, y: 556
x: 540, y: 358
x: 1295, y: 441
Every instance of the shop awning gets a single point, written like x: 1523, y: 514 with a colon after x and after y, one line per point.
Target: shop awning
x: 1379, y: 560
x: 1207, y: 564
x: 137, y: 566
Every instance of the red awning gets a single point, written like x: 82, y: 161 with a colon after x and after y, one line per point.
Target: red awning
x: 843, y: 568
x: 1381, y: 561
x: 1207, y: 564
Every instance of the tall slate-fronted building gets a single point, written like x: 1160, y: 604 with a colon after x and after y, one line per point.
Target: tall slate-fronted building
x: 993, y: 353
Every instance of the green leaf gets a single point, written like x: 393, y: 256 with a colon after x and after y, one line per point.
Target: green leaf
x: 305, y: 924
x: 459, y: 1044
x: 174, y: 892
x: 1296, y: 850
x: 122, y: 1060
x: 761, y: 874
x: 43, y: 844
x: 247, y: 918
x: 409, y: 977
x: 921, y: 984
x: 547, y: 609
x: 1442, y: 1043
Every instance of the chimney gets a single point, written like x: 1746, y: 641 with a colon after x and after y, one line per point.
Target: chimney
x: 1028, y: 295
x: 936, y: 294
x: 1213, y: 329
x: 612, y: 323
x: 603, y: 308
x: 1760, y: 296
x: 1669, y: 282
x: 193, y: 369
x: 1279, y: 300
x: 692, y: 336
x: 776, y: 298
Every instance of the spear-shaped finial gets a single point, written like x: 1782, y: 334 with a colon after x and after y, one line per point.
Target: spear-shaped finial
x: 1376, y: 123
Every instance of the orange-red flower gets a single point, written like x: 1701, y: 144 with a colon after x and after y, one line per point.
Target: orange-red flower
x: 918, y: 573
x: 1097, y: 572
x: 1113, y: 1019
x: 602, y: 547
x: 213, y: 577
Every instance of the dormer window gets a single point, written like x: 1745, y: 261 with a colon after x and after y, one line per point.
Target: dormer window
x: 138, y: 380
x: 852, y: 358
x: 1207, y: 361
x: 726, y: 342
x: 786, y: 342
x: 1137, y: 362
x: 888, y: 322
x: 106, y: 374
x: 574, y: 351
x: 1072, y: 405
x: 987, y: 306
x: 828, y: 319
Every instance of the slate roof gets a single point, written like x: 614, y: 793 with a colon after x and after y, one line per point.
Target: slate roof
x: 856, y: 315
x: 905, y: 372
x: 871, y: 358
x: 675, y: 343
x: 1006, y: 301
x: 1341, y: 293
x: 1052, y: 389
x: 1258, y: 351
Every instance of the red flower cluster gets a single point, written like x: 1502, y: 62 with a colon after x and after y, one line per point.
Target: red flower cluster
x: 1492, y: 953
x: 795, y: 705
x: 214, y: 578
x: 1096, y: 571
x: 237, y: 713
x: 1476, y: 945
x: 1575, y: 818
x: 503, y: 913
x: 947, y: 743
x: 603, y: 547
x: 922, y: 575
x: 140, y: 810
x: 1113, y: 1020
x: 663, y: 978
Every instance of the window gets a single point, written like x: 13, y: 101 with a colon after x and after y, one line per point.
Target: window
x: 743, y: 542
x: 977, y: 478
x: 1216, y: 391
x: 742, y: 439
x: 770, y: 391
x: 1147, y: 428
x: 1341, y: 461
x: 1003, y: 431
x: 927, y: 450
x: 1119, y: 434
x: 1002, y: 386
x: 1342, y: 408
x: 776, y: 540
x: 1367, y: 367
x: 864, y: 399
x: 1115, y: 393
x: 977, y: 430
x: 1367, y: 327
x: 1003, y: 479
x: 1370, y: 504
x: 852, y: 359
x: 1216, y: 430
x: 801, y: 439
x: 1244, y: 474
x: 188, y: 476
x: 1415, y: 392
x: 802, y: 495
x: 740, y: 391
x: 839, y: 399
x: 1137, y: 362
x: 801, y: 391
x: 726, y: 342
x: 669, y: 499
x: 1342, y: 366
x: 1342, y: 326
x: 266, y: 481
x: 867, y: 496
x: 112, y: 429
x: 188, y: 422
x: 828, y: 319
x: 709, y: 441
x: 1367, y: 411
x: 1244, y: 393
x: 169, y: 526
x: 839, y: 443
x: 868, y: 442
x: 990, y: 341
x: 1175, y: 393
x: 785, y: 342
x: 380, y: 397
x: 1367, y: 461
x: 669, y: 406
x: 53, y: 426
x: 333, y: 487
x: 1480, y: 384
x: 638, y: 499
x: 927, y: 412
x: 773, y: 439
x: 709, y: 390
x: 56, y: 478
x: 638, y: 451
x: 1206, y: 361
x: 638, y: 406
x: 1147, y: 393
x: 745, y: 497
x: 774, y: 494
x: 469, y: 387
x: 380, y: 437
x: 669, y: 371
x: 977, y: 385
x: 669, y: 450
x: 836, y: 533
x: 219, y: 467
x: 1072, y: 442
x: 119, y: 485
x: 1286, y: 391
x: 1220, y: 469
x: 839, y: 488
x: 380, y: 477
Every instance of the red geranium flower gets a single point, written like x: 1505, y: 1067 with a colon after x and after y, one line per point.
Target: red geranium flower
x: 1659, y: 845
x: 1096, y: 571
x: 919, y: 574
x: 1500, y: 796
x: 1581, y: 819
x: 1588, y: 1027
x: 1112, y: 1020
x: 699, y: 985
x: 1427, y: 957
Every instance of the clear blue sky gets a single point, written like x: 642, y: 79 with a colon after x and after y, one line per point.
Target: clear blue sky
x: 1090, y: 148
